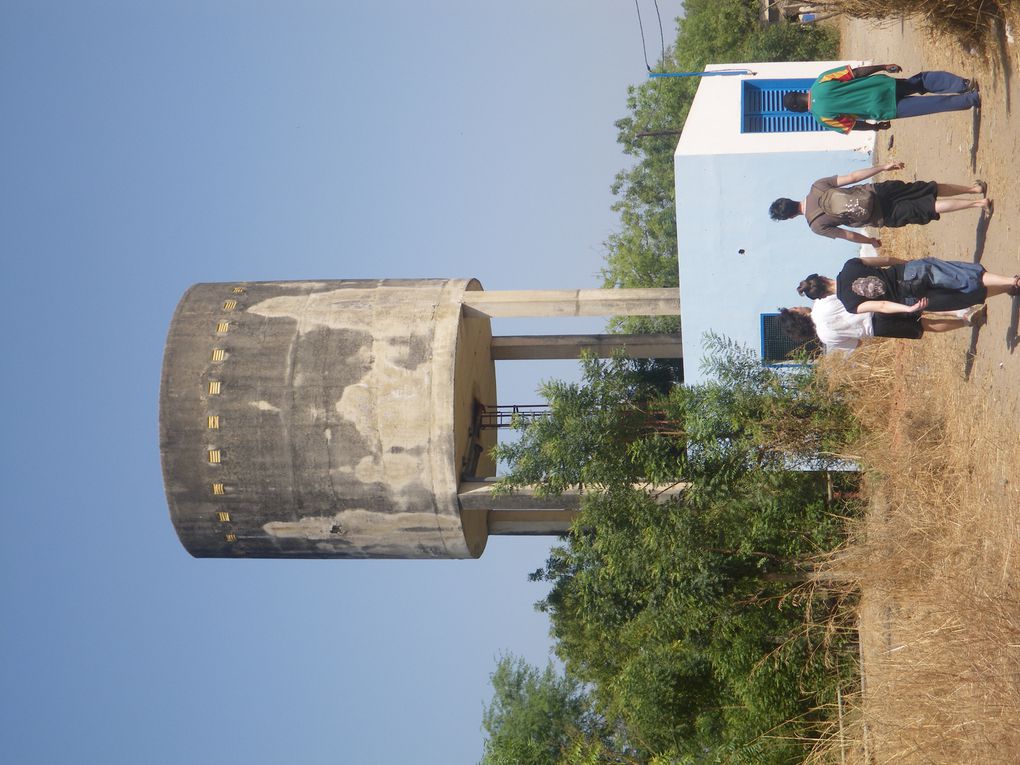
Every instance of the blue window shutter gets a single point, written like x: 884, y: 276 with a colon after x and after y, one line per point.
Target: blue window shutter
x: 762, y: 108
x: 776, y: 346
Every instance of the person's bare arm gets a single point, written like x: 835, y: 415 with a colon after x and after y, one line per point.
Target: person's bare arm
x: 888, y: 306
x: 862, y: 175
x: 857, y: 238
x: 874, y: 126
x: 884, y: 260
x: 867, y: 71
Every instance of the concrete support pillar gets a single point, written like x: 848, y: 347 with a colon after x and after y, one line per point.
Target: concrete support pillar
x: 520, y: 347
x: 608, y: 302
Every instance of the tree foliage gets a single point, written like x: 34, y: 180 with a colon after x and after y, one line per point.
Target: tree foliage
x: 683, y: 617
x: 538, y: 717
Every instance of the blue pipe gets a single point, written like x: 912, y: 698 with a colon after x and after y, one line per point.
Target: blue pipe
x: 717, y: 73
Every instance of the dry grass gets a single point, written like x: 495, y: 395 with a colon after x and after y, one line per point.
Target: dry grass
x: 968, y: 21
x: 934, y: 562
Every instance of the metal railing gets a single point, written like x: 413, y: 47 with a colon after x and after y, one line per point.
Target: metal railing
x: 503, y: 416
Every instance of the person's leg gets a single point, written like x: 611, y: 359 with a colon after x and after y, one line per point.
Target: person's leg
x: 942, y: 325
x: 942, y: 82
x: 955, y: 189
x: 952, y: 205
x: 960, y: 313
x: 931, y: 82
x: 919, y: 106
x: 910, y: 86
x: 996, y: 284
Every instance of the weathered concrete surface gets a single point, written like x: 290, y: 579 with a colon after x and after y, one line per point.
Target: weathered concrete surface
x: 526, y: 347
x: 344, y: 410
x: 664, y: 301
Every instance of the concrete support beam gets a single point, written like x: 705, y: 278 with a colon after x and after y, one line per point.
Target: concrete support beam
x: 519, y: 347
x: 477, y: 495
x: 609, y: 302
x: 530, y: 522
x: 525, y: 514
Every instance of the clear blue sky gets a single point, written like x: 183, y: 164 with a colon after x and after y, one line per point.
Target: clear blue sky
x: 146, y: 146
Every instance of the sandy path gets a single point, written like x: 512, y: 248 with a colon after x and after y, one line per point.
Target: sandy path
x: 956, y: 148
x: 985, y: 398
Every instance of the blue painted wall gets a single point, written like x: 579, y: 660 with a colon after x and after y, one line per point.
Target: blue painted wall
x: 722, y: 207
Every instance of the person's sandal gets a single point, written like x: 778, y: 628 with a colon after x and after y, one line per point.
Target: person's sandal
x: 989, y: 209
x: 1015, y: 289
x: 983, y: 185
x: 976, y: 315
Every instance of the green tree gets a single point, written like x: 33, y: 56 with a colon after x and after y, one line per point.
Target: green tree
x: 592, y: 435
x: 679, y: 616
x: 536, y: 716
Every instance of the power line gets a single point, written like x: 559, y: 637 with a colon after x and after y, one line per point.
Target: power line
x: 662, y: 38
x: 662, y: 41
x: 641, y: 26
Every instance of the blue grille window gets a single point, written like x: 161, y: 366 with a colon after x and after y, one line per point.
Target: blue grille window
x: 777, y: 347
x: 762, y: 108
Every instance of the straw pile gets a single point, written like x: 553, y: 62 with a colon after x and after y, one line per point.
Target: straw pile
x: 933, y: 561
x: 969, y: 21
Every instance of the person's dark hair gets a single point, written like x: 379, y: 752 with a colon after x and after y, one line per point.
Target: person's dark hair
x: 796, y: 326
x: 784, y: 209
x: 814, y: 287
x: 795, y: 101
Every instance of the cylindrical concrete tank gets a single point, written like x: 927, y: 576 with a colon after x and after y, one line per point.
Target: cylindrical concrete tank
x: 325, y: 419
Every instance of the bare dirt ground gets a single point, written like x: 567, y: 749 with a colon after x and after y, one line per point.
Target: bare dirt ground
x: 959, y: 147
x: 937, y: 560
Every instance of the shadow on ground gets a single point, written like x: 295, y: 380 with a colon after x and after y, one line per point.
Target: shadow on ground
x: 999, y: 49
x: 971, y: 354
x: 980, y: 237
x: 1012, y: 341
x: 1001, y: 46
x: 975, y: 142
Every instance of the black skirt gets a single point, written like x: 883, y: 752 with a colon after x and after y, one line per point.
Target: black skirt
x: 905, y: 325
x: 904, y: 203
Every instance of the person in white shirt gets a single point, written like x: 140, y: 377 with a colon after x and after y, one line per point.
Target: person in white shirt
x: 841, y: 331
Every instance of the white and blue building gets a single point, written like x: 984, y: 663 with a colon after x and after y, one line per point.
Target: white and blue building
x: 740, y: 150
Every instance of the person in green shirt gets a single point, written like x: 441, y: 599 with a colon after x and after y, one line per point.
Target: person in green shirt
x: 864, y: 98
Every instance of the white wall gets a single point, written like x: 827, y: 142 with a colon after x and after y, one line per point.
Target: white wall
x: 713, y: 125
x: 722, y: 208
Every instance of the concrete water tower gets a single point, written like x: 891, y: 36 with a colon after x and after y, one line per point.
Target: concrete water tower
x: 347, y: 419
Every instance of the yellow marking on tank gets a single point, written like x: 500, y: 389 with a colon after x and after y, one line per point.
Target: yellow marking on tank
x: 213, y: 422
x: 214, y: 387
x: 218, y: 354
x: 214, y: 456
x: 223, y: 327
x: 224, y: 517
